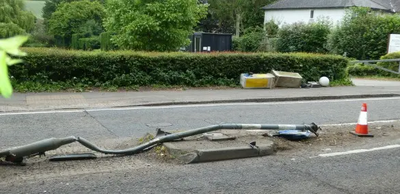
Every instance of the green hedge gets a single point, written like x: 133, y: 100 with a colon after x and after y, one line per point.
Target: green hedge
x: 127, y: 68
x: 105, y: 41
x: 303, y: 37
x: 75, y: 41
x: 394, y: 66
x: 89, y: 43
x: 364, y: 70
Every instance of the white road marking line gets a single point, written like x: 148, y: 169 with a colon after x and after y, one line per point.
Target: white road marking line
x: 198, y: 105
x: 243, y: 104
x: 349, y: 124
x: 41, y: 112
x: 359, y: 151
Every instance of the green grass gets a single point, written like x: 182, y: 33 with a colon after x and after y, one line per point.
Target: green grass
x: 345, y: 82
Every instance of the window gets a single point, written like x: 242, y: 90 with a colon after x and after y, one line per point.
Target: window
x: 312, y: 14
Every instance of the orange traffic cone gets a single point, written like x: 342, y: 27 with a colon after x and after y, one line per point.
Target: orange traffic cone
x: 362, y: 124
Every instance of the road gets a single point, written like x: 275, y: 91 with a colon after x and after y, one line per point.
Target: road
x: 302, y: 172
x: 95, y: 124
x: 364, y: 173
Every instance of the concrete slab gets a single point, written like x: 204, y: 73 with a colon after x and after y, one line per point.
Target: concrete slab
x: 199, y: 149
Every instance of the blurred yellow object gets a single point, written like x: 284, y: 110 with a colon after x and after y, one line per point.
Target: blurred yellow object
x: 257, y: 80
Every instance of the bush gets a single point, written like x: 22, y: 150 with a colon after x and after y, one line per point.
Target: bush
x: 301, y: 37
x: 364, y: 70
x: 39, y: 36
x: 105, y: 41
x: 127, y: 68
x: 91, y: 43
x: 271, y: 28
x: 268, y: 45
x: 363, y: 34
x: 250, y: 40
x: 256, y: 40
x: 394, y: 66
x: 75, y: 41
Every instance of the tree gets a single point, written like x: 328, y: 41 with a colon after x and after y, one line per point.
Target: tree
x: 229, y: 12
x: 253, y: 15
x: 237, y: 15
x: 153, y: 25
x: 363, y: 34
x: 14, y: 20
x: 76, y: 17
x: 50, y: 7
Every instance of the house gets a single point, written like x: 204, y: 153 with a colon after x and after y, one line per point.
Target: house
x: 292, y: 11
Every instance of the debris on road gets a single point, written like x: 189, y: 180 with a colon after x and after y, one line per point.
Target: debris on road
x: 287, y: 79
x: 250, y: 80
x: 279, y: 79
x: 293, y: 134
x: 19, y: 154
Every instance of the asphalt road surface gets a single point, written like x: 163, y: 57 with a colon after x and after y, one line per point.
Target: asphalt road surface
x: 17, y: 129
x: 304, y: 172
x: 375, y: 172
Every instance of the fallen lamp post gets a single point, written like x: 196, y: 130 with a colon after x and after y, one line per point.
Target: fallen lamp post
x: 18, y: 155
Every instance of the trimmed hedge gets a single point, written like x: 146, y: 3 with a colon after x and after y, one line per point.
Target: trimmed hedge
x: 75, y: 41
x: 127, y: 68
x: 90, y: 43
x: 105, y: 41
x: 394, y: 66
x: 364, y: 70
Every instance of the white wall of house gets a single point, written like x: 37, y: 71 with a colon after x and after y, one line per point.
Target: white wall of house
x: 303, y: 15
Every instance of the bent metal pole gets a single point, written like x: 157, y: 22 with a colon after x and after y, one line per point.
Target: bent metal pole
x: 171, y: 137
x: 40, y: 147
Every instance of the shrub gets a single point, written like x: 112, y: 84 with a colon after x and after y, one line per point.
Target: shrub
x: 256, y: 40
x: 301, y: 37
x: 363, y: 34
x: 250, y: 40
x: 91, y: 43
x: 105, y: 41
x: 268, y: 45
x: 39, y: 36
x: 394, y: 66
x: 127, y: 68
x: 271, y: 28
x: 75, y: 41
x: 365, y: 70
x: 362, y: 70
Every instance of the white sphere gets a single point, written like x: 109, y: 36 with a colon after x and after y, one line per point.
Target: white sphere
x: 324, y: 81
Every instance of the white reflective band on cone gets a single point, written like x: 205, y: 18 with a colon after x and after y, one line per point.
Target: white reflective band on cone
x: 362, y: 120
